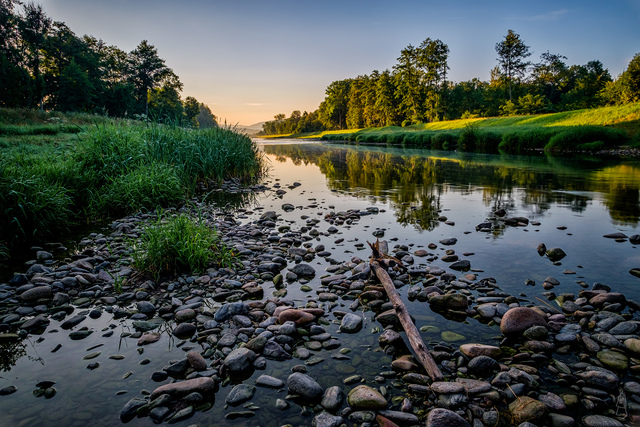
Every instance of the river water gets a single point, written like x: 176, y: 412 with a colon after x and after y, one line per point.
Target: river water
x: 417, y: 197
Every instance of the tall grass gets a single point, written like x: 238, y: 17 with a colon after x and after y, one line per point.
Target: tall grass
x: 111, y: 168
x: 172, y: 244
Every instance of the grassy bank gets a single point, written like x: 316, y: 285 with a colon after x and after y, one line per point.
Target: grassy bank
x: 80, y: 168
x: 591, y: 129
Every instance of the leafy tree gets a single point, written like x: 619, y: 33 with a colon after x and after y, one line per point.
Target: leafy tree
x: 333, y: 110
x: 14, y: 78
x: 583, y: 86
x: 633, y: 78
x: 34, y: 28
x: 408, y: 85
x: 205, y: 118
x: 432, y: 58
x: 75, y: 91
x: 148, y: 71
x: 549, y: 75
x: 511, y: 57
x: 191, y: 110
x: 165, y: 104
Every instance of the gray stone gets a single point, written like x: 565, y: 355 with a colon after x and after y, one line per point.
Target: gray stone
x: 600, y: 421
x: 303, y: 270
x: 351, y: 323
x: 332, y: 399
x: 325, y: 419
x: 269, y: 381
x: 305, y: 386
x: 239, y: 360
x: 441, y: 417
x: 365, y: 397
x: 239, y: 394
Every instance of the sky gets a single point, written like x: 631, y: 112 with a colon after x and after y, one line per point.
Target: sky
x: 249, y: 60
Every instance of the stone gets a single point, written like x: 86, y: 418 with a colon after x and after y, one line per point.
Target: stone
x: 269, y: 381
x: 196, y: 360
x: 184, y: 330
x: 519, y: 319
x: 149, y: 338
x: 613, y: 360
x: 450, y: 336
x: 600, y: 421
x: 34, y: 294
x: 130, y: 408
x: 325, y: 419
x: 333, y: 398
x: 239, y: 394
x: 441, y: 417
x: 449, y: 301
x: 351, y: 323
x: 300, y: 317
x: 202, y: 385
x: 600, y: 378
x: 483, y: 365
x: 443, y: 387
x: 273, y: 350
x: 304, y: 270
x: 633, y: 344
x: 526, y: 409
x: 473, y: 350
x: 555, y: 254
x: 239, y: 360
x: 305, y: 386
x: 364, y: 397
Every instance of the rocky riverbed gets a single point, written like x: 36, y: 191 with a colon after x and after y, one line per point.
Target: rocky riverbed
x: 251, y: 353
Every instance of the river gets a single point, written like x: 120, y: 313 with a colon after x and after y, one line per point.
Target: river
x: 415, y: 198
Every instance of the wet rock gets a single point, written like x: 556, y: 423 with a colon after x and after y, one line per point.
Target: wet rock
x: 449, y: 301
x: 600, y: 378
x: 555, y: 254
x: 600, y: 421
x: 351, y: 323
x: 269, y: 381
x: 519, y: 319
x: 401, y: 418
x: 635, y: 239
x: 449, y: 241
x: 325, y: 419
x: 239, y: 360
x: 600, y: 300
x: 615, y: 236
x: 184, y: 330
x: 8, y: 390
x: 332, y: 399
x: 473, y: 350
x: 365, y: 397
x: 149, y: 338
x: 273, y: 350
x: 196, y: 360
x: 300, y: 317
x: 130, y: 408
x: 229, y: 310
x: 483, y: 366
x: 202, y: 385
x: 516, y: 220
x: 559, y: 420
x: 633, y: 344
x: 34, y: 294
x: 613, y: 360
x: 527, y: 409
x: 461, y: 265
x: 304, y: 270
x: 305, y: 386
x: 239, y: 394
x: 441, y: 417
x: 542, y: 249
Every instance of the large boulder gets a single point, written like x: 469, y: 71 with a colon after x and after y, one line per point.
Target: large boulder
x: 519, y: 319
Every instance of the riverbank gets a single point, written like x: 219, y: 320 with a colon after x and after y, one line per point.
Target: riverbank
x: 57, y: 170
x: 244, y: 337
x: 594, y: 130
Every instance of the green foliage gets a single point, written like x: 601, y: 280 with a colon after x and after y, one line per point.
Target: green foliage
x: 585, y: 138
x: 172, y: 244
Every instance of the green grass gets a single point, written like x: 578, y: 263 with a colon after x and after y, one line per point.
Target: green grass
x: 589, y: 129
x: 49, y: 181
x: 173, y: 244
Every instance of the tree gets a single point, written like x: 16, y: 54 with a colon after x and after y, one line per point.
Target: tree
x: 14, y: 78
x: 549, y: 75
x: 511, y: 57
x: 431, y: 61
x: 205, y: 118
x: 165, y: 105
x: 148, y: 70
x: 633, y: 78
x: 75, y: 91
x: 333, y: 110
x: 408, y: 85
x: 191, y: 110
x: 34, y: 28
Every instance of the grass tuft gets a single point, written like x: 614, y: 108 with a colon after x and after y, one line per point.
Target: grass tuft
x: 172, y: 244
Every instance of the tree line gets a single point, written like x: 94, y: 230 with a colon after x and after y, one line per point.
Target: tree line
x: 44, y: 64
x: 416, y: 90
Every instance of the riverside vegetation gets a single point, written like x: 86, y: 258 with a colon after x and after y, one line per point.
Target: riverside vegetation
x: 58, y: 170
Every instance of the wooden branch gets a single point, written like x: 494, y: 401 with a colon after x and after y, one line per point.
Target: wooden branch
x: 418, y: 345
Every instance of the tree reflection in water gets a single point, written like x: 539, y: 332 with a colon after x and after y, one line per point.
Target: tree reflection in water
x: 414, y: 180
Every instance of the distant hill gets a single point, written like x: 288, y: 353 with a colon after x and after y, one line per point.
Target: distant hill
x: 251, y: 129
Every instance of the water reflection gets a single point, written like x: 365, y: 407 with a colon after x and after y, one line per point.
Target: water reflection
x: 10, y: 352
x: 414, y: 180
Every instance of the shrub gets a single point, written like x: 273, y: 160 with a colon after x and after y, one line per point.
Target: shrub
x: 584, y: 137
x: 443, y: 141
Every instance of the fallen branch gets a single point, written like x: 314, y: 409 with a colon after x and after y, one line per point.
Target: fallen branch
x: 419, y: 347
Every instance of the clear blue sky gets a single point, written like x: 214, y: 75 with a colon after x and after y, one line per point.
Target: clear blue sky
x: 251, y: 59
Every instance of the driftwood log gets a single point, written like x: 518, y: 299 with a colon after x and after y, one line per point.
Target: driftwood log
x: 418, y: 345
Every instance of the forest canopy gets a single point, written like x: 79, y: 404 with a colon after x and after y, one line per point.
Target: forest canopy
x: 44, y: 64
x: 416, y: 90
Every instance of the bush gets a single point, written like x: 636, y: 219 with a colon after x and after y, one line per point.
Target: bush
x: 468, y: 138
x: 172, y: 244
x: 444, y: 141
x: 585, y: 138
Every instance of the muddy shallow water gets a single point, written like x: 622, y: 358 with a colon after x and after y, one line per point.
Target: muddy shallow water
x: 418, y: 197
